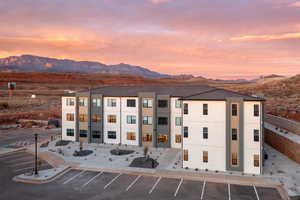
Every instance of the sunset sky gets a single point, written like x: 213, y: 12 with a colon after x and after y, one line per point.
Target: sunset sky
x: 211, y: 38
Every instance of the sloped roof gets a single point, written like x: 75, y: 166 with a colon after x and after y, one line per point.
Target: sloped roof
x: 185, y: 92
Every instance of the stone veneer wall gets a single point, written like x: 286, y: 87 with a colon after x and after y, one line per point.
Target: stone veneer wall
x: 287, y: 124
x: 283, y: 145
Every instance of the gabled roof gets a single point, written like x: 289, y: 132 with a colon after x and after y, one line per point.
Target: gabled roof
x: 184, y: 92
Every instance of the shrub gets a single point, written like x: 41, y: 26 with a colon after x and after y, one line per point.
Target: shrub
x: 3, y: 105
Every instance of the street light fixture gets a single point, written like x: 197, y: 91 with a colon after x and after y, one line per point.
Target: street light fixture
x: 36, y: 157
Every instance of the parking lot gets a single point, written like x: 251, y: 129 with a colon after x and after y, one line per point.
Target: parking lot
x: 22, y: 162
x: 125, y: 186
x: 78, y: 184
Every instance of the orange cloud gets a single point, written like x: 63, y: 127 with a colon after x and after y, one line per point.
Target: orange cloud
x: 267, y: 37
x: 296, y: 4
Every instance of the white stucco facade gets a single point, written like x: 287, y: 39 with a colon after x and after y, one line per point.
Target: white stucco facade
x: 115, y: 111
x: 175, y: 129
x: 66, y: 124
x: 127, y: 127
x: 215, y: 144
x: 252, y: 147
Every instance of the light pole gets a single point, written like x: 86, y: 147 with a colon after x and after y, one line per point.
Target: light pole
x: 36, y: 157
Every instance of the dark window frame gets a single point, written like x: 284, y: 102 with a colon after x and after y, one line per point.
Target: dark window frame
x: 162, y: 121
x: 185, y: 108
x: 162, y: 103
x: 234, y: 109
x: 185, y: 132
x: 256, y: 135
x: 256, y: 110
x: 112, y: 135
x: 205, y: 132
x: 131, y: 103
x: 205, y: 109
x: 234, y: 134
x: 72, y: 133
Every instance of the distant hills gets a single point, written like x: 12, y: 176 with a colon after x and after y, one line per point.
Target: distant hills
x: 44, y: 64
x: 31, y: 63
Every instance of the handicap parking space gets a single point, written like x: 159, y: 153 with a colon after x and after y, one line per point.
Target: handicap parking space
x: 268, y: 193
x: 242, y: 192
x: 215, y: 191
x: 190, y: 190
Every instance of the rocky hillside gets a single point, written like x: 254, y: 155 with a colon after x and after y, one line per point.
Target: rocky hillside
x: 44, y: 64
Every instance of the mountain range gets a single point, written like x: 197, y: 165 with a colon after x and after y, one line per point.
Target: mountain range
x: 45, y: 64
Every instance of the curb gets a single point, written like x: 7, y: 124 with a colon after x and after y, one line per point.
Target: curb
x: 48, y: 180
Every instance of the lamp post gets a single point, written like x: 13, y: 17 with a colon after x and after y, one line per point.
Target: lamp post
x: 36, y: 157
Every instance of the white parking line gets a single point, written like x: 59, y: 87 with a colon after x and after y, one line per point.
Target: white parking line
x: 229, y: 195
x: 23, y: 163
x: 73, y: 177
x: 91, y: 179
x: 17, y: 160
x: 17, y: 170
x: 13, y: 154
x: 178, y: 187
x: 110, y: 182
x: 256, y: 192
x: 133, y: 182
x: 155, y: 184
x: 203, y: 188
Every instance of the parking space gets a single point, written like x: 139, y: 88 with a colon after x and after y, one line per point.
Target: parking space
x: 242, y: 192
x: 22, y: 162
x: 125, y: 186
x: 213, y: 191
x: 268, y: 193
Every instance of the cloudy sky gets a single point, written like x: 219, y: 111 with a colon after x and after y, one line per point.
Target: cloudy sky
x: 212, y: 38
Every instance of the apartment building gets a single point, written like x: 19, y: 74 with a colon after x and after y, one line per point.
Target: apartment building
x: 215, y: 128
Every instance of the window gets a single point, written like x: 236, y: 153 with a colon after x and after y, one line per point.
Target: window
x: 70, y: 117
x: 162, y: 139
x: 111, y: 118
x: 147, y: 103
x: 256, y: 135
x: 96, y: 118
x: 185, y: 155
x: 205, y: 156
x: 256, y: 110
x: 234, y: 109
x: 130, y: 102
x: 111, y: 102
x: 205, y: 133
x: 177, y: 138
x: 147, y: 120
x: 70, y: 132
x: 96, y: 134
x: 205, y: 109
x: 83, y: 102
x: 83, y: 133
x: 147, y: 138
x: 185, y: 108
x: 83, y: 118
x: 185, y: 132
x: 178, y: 104
x: 234, y: 160
x: 234, y: 134
x: 111, y: 135
x: 131, y: 136
x: 162, y: 103
x: 131, y: 119
x: 162, y: 121
x: 178, y: 121
x: 70, y: 102
x: 256, y: 160
x: 96, y: 102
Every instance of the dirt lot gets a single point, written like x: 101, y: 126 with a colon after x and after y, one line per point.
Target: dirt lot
x: 283, y: 96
